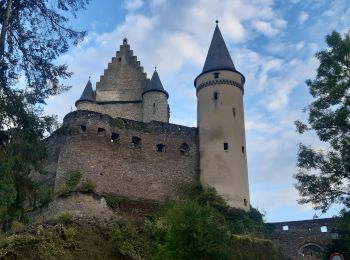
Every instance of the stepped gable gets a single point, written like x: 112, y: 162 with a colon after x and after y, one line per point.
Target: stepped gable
x: 124, y: 79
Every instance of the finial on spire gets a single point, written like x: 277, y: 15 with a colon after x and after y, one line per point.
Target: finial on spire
x: 217, y: 21
x: 89, y: 77
x: 155, y: 67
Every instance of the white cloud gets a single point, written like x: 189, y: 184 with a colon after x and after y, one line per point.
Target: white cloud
x: 133, y: 5
x: 303, y: 16
x: 265, y: 28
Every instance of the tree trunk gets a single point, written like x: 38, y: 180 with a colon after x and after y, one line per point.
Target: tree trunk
x: 4, y: 30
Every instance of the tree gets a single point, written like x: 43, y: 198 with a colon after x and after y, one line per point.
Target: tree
x: 192, y: 231
x: 33, y: 35
x: 323, y: 178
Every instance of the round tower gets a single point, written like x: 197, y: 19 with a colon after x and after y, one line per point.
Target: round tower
x: 155, y: 101
x: 222, y: 147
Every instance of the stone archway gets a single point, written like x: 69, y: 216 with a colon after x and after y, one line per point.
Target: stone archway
x: 310, y: 251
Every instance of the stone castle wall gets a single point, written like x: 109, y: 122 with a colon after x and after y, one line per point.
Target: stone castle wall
x: 155, y: 107
x: 128, y: 110
x: 295, y: 237
x: 128, y: 158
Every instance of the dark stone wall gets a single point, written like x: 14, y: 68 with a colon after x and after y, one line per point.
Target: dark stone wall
x: 135, y: 171
x: 301, y: 234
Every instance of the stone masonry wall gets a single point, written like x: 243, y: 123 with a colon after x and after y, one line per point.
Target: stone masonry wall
x: 155, y: 107
x: 166, y: 155
x: 293, y: 236
x: 131, y: 111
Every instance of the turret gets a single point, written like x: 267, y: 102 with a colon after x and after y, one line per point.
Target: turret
x: 87, y: 98
x: 222, y: 146
x: 155, y: 101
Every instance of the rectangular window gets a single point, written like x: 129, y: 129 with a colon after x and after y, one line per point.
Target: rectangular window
x: 234, y: 112
x: 243, y: 149
x: 225, y: 146
x: 216, y: 75
x: 215, y: 95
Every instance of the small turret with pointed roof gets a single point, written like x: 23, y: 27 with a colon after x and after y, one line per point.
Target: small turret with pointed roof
x: 155, y: 85
x: 155, y: 100
x: 88, y: 94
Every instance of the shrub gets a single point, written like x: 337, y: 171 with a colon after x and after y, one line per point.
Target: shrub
x: 43, y: 193
x: 64, y: 218
x: 112, y: 201
x: 17, y: 227
x: 63, y: 190
x: 192, y: 231
x: 73, y: 180
x: 238, y: 220
x: 87, y: 186
x: 134, y: 241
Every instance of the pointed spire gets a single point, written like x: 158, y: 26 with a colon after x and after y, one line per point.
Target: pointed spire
x: 155, y: 84
x: 88, y: 93
x: 218, y: 56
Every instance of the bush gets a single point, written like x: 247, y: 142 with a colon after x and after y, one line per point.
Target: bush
x: 87, y: 186
x: 64, y: 218
x: 63, y: 190
x: 238, y: 220
x: 73, y: 180
x: 189, y: 230
x: 17, y: 227
x: 43, y: 194
x: 112, y: 200
x: 134, y: 241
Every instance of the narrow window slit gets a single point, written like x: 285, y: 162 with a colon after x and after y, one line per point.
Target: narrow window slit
x: 243, y: 149
x: 83, y: 128
x: 225, y: 146
x: 234, y: 112
x: 215, y: 95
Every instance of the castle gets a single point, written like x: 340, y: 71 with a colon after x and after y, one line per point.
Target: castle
x: 124, y: 143
x: 120, y: 138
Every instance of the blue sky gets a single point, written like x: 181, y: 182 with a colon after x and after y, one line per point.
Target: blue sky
x: 271, y: 42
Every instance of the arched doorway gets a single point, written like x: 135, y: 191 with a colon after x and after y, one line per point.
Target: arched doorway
x: 310, y: 251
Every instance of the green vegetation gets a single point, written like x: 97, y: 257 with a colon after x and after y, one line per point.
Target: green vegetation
x: 87, y: 186
x: 323, y: 177
x: 73, y: 180
x: 342, y: 244
x: 112, y: 200
x: 197, y: 225
x: 64, y: 217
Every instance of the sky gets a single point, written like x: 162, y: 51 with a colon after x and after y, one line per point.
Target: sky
x: 271, y: 42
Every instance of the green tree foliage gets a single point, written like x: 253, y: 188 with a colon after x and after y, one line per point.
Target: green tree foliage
x: 324, y: 175
x: 342, y: 244
x: 33, y: 34
x: 192, y: 231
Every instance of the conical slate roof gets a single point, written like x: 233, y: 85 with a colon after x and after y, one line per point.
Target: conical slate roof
x: 155, y: 85
x: 218, y: 56
x: 88, y: 93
